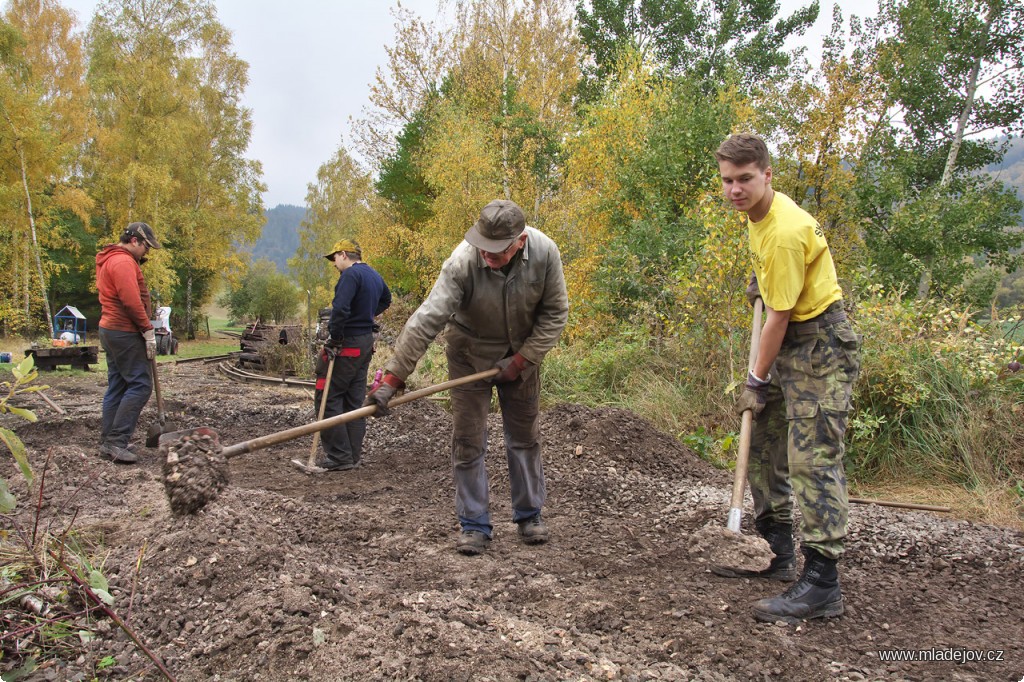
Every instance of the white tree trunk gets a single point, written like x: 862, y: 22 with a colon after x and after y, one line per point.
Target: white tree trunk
x: 35, y: 239
x: 924, y: 283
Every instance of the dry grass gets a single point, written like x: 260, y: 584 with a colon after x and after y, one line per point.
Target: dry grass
x: 16, y: 345
x: 996, y: 505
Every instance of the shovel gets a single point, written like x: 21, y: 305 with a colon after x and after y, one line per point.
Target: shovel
x: 195, y: 465
x: 728, y: 547
x: 311, y: 462
x: 746, y: 429
x: 161, y: 427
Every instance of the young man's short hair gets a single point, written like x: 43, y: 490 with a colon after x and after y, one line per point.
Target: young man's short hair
x: 743, y: 149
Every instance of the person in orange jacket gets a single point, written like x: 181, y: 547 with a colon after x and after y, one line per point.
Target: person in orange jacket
x: 127, y: 337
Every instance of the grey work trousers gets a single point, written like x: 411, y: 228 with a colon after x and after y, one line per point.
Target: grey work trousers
x: 520, y: 410
x: 129, y: 385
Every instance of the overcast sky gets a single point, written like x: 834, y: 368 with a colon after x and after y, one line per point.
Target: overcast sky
x: 311, y: 63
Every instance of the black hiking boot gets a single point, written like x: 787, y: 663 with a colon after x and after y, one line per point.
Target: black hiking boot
x: 783, y: 565
x: 815, y: 595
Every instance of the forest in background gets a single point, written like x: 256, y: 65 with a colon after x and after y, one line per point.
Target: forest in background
x: 600, y: 119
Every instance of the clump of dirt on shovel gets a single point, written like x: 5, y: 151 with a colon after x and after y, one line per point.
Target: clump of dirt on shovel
x: 195, y: 472
x: 723, y: 547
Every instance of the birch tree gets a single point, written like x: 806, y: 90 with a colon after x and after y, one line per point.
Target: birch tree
x: 706, y: 40
x: 42, y: 126
x: 169, y: 146
x: 955, y: 71
x: 497, y: 128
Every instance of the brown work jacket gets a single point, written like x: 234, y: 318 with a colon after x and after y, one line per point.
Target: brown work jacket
x: 487, y: 312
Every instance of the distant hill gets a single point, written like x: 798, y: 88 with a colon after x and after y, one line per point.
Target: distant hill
x: 1011, y: 169
x: 280, y: 236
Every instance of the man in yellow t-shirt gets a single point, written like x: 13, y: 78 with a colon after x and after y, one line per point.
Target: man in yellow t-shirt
x: 799, y: 390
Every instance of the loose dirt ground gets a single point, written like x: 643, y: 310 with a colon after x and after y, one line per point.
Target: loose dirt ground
x: 354, y: 575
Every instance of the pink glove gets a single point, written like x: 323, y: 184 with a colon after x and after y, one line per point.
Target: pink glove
x: 383, y: 394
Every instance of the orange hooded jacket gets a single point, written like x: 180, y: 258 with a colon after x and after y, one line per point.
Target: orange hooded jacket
x: 124, y: 295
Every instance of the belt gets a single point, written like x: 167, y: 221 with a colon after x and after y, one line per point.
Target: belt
x: 833, y: 314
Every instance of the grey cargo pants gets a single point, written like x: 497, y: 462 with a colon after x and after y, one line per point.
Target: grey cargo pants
x: 520, y: 408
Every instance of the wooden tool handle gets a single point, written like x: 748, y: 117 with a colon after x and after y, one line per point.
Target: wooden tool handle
x: 320, y: 415
x: 159, y: 395
x: 306, y: 429
x: 746, y: 428
x: 900, y: 505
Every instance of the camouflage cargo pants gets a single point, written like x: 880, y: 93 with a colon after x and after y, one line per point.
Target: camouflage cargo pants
x: 797, y: 444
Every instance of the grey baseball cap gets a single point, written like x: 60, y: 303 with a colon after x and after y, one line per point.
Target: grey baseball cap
x: 500, y: 223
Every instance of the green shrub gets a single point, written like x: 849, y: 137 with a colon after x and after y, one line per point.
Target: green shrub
x: 935, y: 397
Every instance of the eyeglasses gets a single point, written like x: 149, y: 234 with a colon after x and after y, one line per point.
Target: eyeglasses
x: 507, y: 249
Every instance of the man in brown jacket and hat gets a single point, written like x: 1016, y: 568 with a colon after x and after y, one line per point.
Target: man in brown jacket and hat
x: 502, y: 296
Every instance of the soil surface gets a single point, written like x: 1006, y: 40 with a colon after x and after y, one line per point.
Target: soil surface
x: 353, y: 575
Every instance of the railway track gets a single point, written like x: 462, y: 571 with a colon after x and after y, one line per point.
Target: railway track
x: 236, y: 374
x: 207, y: 358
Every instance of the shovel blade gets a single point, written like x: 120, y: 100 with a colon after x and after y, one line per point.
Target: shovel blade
x: 167, y: 440
x: 306, y: 468
x: 156, y: 430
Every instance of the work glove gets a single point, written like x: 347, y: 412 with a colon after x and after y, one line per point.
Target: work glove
x: 510, y: 368
x: 754, y: 395
x: 753, y: 290
x: 150, y: 336
x: 382, y: 395
x: 333, y: 343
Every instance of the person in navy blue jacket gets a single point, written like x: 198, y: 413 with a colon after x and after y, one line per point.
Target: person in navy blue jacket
x: 359, y: 296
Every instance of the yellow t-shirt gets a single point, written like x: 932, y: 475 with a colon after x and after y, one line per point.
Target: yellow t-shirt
x: 792, y: 261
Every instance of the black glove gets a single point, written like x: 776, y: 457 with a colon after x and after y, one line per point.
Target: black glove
x: 323, y: 359
x: 382, y: 395
x: 334, y: 343
x: 753, y: 290
x: 754, y: 395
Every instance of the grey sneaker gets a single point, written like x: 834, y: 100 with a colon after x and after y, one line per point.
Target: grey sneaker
x: 118, y: 454
x: 472, y: 542
x: 533, y: 530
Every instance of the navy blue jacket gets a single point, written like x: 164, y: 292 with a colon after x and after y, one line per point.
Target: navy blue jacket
x: 360, y: 295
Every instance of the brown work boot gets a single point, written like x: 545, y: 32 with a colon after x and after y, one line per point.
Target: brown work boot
x: 118, y: 454
x: 472, y: 542
x: 533, y: 530
x: 815, y: 595
x: 783, y: 565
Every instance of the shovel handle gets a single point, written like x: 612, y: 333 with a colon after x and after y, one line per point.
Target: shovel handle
x: 746, y: 428
x: 159, y: 395
x: 46, y: 399
x: 317, y: 426
x: 320, y: 414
